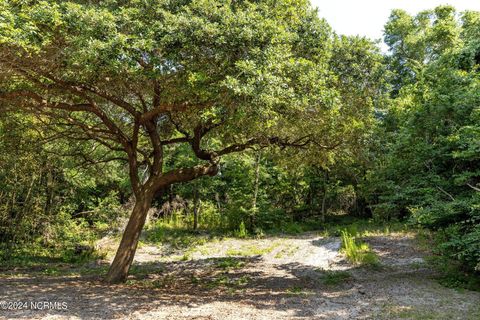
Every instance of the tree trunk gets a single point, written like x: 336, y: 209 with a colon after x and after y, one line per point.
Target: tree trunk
x: 49, y: 191
x: 323, y: 205
x: 255, y: 190
x: 195, y: 210
x: 325, y: 192
x: 310, y: 198
x: 118, y: 271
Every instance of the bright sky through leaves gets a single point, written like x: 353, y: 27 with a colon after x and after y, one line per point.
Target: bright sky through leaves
x: 367, y: 17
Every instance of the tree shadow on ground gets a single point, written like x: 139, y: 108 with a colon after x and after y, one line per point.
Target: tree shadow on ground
x: 159, y: 285
x: 296, y: 289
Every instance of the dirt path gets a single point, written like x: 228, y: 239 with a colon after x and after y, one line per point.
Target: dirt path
x: 303, y: 277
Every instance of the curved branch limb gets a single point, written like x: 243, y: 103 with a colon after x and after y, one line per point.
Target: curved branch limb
x: 473, y: 187
x: 181, y: 175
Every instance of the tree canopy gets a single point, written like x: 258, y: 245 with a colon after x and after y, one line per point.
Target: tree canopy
x: 430, y: 170
x: 134, y: 79
x: 113, y: 105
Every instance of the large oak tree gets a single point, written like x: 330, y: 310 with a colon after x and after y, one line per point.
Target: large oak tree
x: 133, y: 79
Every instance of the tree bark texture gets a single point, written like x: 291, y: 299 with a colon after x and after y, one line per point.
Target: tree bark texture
x: 120, y: 266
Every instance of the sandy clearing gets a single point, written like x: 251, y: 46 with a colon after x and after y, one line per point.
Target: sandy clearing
x: 283, y: 282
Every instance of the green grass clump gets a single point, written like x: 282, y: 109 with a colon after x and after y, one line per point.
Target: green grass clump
x: 225, y: 280
x: 251, y: 250
x: 356, y: 252
x: 242, y: 231
x: 333, y: 277
x: 229, y: 263
x: 295, y: 290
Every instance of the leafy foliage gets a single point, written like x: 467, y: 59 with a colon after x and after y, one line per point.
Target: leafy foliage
x: 429, y: 170
x: 105, y: 103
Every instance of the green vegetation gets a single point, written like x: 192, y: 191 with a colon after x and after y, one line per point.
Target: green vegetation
x: 358, y: 252
x: 295, y: 291
x: 176, y: 236
x: 226, y: 281
x: 196, y: 120
x: 229, y: 263
x: 428, y: 171
x: 242, y: 231
x: 334, y: 277
x: 252, y: 250
x: 287, y: 251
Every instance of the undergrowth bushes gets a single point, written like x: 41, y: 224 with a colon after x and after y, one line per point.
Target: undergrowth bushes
x: 64, y: 236
x: 456, y: 238
x: 233, y: 221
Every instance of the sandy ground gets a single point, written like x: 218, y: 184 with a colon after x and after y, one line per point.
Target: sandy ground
x: 273, y: 278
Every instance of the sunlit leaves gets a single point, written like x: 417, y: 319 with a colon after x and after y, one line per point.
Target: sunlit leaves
x: 430, y: 169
